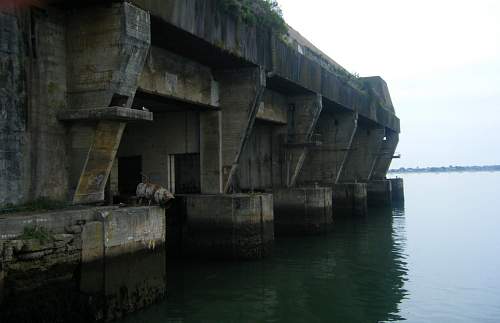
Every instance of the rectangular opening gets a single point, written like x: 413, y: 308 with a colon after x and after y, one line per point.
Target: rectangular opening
x: 186, y: 173
x: 129, y: 174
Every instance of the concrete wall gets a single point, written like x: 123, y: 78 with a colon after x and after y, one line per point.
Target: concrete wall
x: 363, y: 154
x: 324, y: 163
x: 14, y: 176
x: 79, y: 273
x: 168, y: 74
x: 30, y: 131
x: 255, y: 170
x: 171, y: 133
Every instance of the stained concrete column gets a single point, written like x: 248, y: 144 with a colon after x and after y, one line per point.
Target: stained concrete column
x: 303, y: 115
x: 241, y: 93
x: 107, y: 48
x: 211, y: 152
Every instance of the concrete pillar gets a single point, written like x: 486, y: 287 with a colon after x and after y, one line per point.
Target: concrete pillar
x: 303, y: 115
x: 397, y: 187
x: 379, y: 193
x: 237, y: 226
x: 107, y: 48
x: 350, y: 199
x: 302, y: 210
x: 241, y: 93
x: 211, y: 152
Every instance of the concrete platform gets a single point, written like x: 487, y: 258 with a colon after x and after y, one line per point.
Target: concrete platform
x: 397, y: 187
x: 350, y: 199
x: 379, y: 193
x: 303, y: 210
x: 238, y: 226
x: 95, y: 263
x: 109, y: 113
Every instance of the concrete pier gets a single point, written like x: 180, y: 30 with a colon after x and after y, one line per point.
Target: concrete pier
x: 91, y: 263
x: 379, y: 193
x: 238, y: 226
x: 397, y: 187
x: 303, y: 210
x: 350, y: 199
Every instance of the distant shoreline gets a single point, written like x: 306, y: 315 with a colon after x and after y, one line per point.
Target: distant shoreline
x: 449, y: 169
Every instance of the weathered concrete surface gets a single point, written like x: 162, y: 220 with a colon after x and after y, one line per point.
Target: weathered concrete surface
x: 350, y: 199
x: 274, y: 108
x: 362, y: 155
x: 324, y: 163
x: 107, y: 48
x: 203, y: 19
x: 379, y: 193
x: 303, y: 117
x: 397, y: 188
x: 78, y: 271
x: 238, y: 226
x: 302, y: 210
x: 255, y: 167
x: 385, y: 155
x: 99, y: 161
x: 211, y: 152
x: 109, y: 113
x: 241, y: 93
x: 171, y: 75
x: 13, y: 173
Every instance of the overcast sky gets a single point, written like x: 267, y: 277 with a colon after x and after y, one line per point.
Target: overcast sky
x: 440, y: 59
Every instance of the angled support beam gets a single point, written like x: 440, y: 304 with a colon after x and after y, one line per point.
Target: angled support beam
x: 102, y: 81
x: 362, y: 155
x: 385, y: 155
x: 224, y: 134
x: 99, y: 161
x: 324, y: 163
x: 303, y: 117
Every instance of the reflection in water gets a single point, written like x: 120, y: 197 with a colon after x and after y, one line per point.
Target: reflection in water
x: 355, y: 274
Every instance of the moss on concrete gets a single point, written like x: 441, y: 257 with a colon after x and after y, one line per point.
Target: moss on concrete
x: 257, y: 12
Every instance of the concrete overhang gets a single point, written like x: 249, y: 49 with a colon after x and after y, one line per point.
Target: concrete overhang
x: 109, y: 113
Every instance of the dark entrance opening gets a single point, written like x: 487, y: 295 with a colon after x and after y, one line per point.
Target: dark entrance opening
x: 187, y: 173
x: 129, y: 174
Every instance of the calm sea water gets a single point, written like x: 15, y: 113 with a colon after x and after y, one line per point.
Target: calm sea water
x: 435, y: 260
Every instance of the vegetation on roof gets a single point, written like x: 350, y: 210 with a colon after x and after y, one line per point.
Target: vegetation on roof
x: 257, y: 12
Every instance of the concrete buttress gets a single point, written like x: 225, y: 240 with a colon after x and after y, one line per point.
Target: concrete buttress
x: 362, y: 155
x: 304, y: 112
x: 241, y: 93
x: 108, y: 46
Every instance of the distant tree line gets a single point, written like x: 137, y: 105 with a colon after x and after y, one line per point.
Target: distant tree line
x: 488, y: 168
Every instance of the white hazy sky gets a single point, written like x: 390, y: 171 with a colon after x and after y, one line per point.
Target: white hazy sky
x: 440, y: 59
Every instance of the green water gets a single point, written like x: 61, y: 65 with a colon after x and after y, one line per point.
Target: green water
x: 435, y: 260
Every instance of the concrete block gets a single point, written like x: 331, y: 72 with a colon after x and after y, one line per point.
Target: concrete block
x: 379, y: 193
x: 238, y: 226
x: 133, y: 229
x: 397, y: 187
x: 92, y: 275
x: 303, y: 210
x: 350, y: 199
